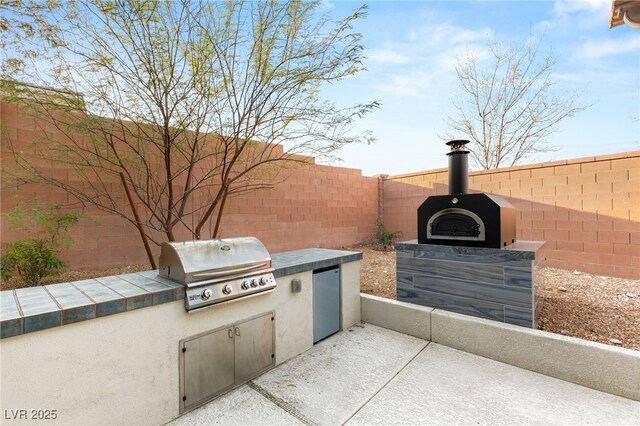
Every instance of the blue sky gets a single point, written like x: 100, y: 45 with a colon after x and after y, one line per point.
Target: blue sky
x: 412, y: 47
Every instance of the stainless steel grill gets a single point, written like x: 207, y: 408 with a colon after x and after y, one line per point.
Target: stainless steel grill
x: 217, y: 271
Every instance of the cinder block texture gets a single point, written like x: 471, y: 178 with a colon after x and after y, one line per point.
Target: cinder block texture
x: 331, y: 207
x: 566, y: 203
x: 406, y: 318
x: 595, y: 365
x: 310, y: 206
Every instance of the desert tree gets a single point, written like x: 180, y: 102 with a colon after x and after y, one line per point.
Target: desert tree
x: 509, y: 104
x: 181, y: 103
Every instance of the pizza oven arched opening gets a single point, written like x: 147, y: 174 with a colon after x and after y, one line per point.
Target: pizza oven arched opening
x: 456, y: 224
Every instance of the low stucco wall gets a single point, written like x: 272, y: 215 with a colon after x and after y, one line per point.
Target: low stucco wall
x: 124, y: 368
x: 594, y: 365
x: 349, y: 295
x: 591, y: 364
x: 403, y: 317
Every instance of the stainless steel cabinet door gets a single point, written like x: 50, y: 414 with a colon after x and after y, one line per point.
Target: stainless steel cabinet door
x: 254, y: 346
x: 207, y: 363
x: 326, y: 303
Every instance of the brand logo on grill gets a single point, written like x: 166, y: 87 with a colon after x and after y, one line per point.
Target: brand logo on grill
x: 194, y: 296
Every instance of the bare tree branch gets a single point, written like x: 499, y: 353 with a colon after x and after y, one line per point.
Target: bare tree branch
x: 192, y: 101
x: 508, y: 107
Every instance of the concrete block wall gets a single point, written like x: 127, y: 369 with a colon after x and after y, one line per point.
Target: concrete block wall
x: 316, y: 206
x: 587, y: 209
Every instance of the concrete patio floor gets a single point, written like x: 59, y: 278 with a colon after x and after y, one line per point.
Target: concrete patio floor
x: 371, y: 375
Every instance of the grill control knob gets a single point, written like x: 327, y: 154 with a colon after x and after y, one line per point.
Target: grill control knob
x: 254, y: 283
x: 226, y: 289
x: 207, y: 293
x: 245, y: 285
x: 263, y: 281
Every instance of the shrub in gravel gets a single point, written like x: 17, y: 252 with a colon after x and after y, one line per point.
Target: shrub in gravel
x: 37, y: 256
x: 385, y: 237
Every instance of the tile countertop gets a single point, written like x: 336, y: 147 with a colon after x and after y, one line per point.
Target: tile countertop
x: 37, y: 308
x: 523, y: 250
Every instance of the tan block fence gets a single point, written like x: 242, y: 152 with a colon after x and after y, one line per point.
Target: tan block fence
x: 317, y: 206
x: 587, y: 209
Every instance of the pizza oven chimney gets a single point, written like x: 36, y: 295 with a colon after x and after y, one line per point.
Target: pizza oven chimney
x: 458, y: 167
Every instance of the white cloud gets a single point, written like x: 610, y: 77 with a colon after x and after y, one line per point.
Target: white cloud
x: 445, y: 34
x: 594, y: 49
x: 387, y: 56
x: 570, y: 7
x: 422, y: 65
x: 327, y: 5
x: 541, y: 27
x: 572, y: 14
x: 411, y: 83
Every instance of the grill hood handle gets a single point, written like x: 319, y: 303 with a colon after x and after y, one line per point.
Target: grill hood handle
x: 230, y: 271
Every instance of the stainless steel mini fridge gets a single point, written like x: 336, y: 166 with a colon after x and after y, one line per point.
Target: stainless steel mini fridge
x: 326, y: 303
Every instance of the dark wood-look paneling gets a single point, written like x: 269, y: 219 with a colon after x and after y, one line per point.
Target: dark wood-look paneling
x: 494, y: 284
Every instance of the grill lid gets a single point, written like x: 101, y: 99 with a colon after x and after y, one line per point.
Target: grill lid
x: 189, y: 262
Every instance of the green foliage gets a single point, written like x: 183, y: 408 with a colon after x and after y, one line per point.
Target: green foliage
x: 32, y: 259
x: 37, y: 256
x: 385, y: 237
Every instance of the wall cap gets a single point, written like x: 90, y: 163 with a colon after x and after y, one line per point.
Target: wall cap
x: 622, y: 155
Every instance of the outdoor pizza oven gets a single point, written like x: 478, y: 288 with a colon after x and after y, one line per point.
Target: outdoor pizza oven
x: 462, y: 219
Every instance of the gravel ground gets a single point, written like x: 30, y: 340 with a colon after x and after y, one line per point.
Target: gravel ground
x: 77, y: 276
x: 598, y: 308
x: 590, y: 307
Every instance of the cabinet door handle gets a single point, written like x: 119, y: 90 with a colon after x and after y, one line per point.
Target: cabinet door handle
x: 237, y: 331
x: 230, y: 333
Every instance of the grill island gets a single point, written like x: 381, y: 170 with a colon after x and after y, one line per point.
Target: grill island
x: 125, y: 350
